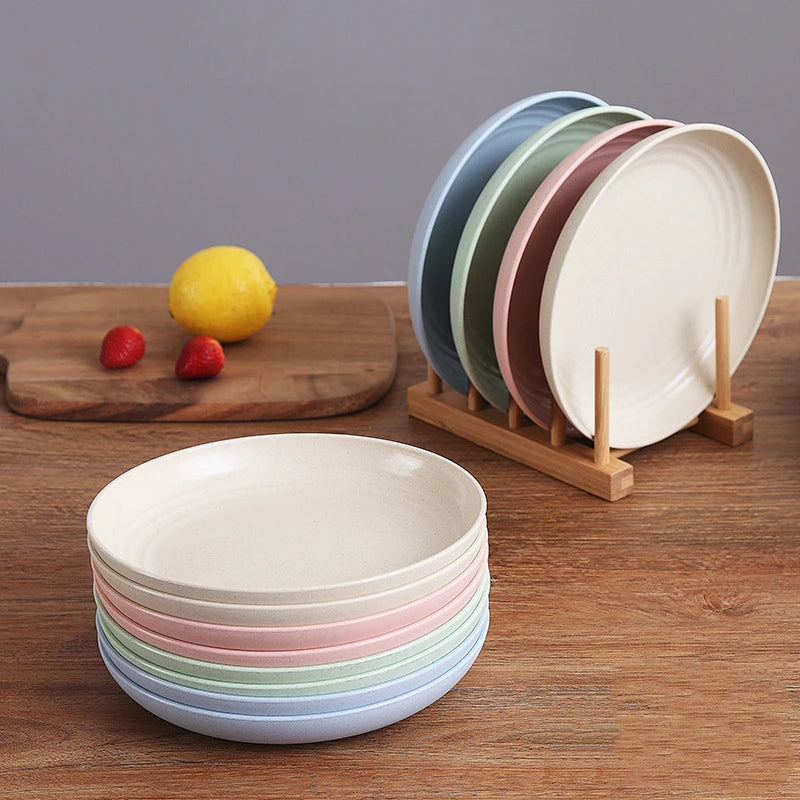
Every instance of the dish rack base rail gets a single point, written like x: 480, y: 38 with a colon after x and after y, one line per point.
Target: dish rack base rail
x: 592, y: 466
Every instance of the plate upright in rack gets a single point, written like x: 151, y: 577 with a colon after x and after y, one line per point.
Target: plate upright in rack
x: 447, y: 207
x: 687, y: 215
x: 490, y: 223
x: 518, y: 292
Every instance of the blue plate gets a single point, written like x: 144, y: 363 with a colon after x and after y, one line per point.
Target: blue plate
x: 445, y: 212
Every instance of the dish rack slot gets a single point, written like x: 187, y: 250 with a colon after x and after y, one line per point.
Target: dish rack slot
x: 589, y: 465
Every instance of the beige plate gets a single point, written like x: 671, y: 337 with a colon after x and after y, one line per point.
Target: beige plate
x: 286, y: 518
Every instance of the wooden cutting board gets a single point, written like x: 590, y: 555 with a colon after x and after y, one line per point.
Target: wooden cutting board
x: 325, y: 351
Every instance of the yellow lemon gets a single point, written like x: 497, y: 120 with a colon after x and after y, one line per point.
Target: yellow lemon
x: 224, y: 292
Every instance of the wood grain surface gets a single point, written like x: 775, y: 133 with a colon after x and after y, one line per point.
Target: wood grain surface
x: 324, y: 352
x: 648, y: 648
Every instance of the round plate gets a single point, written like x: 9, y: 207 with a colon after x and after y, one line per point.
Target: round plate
x: 518, y: 293
x: 297, y: 729
x: 296, y: 615
x: 297, y: 658
x: 446, y: 210
x: 678, y: 219
x: 291, y: 637
x: 313, y: 679
x: 456, y: 633
x: 486, y: 233
x: 286, y: 518
x: 309, y: 704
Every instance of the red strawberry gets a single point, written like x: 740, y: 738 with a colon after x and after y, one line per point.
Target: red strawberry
x: 201, y: 357
x: 122, y: 346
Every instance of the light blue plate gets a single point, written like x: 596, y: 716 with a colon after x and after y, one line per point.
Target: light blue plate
x: 445, y: 212
x: 298, y: 729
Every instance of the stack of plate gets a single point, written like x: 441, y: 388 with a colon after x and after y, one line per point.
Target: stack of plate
x: 563, y: 224
x: 290, y: 588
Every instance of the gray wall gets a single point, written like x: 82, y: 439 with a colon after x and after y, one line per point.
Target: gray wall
x: 134, y: 133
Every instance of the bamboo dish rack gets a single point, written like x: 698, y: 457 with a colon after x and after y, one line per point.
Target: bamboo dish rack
x: 593, y: 467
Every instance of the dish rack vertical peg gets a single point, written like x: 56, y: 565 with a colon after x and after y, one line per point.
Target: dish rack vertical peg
x: 601, y: 408
x: 474, y: 399
x: 434, y: 381
x: 724, y: 420
x: 516, y: 419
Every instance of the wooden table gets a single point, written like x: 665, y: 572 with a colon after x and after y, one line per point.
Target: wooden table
x: 644, y: 648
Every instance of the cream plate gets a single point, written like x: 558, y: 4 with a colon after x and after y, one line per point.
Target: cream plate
x: 682, y: 217
x: 286, y: 518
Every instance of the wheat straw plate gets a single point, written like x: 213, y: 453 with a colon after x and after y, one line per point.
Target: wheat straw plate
x: 236, y: 637
x: 488, y: 227
x: 446, y: 210
x: 518, y: 292
x: 300, y: 679
x: 455, y: 631
x: 288, y: 705
x: 286, y: 518
x: 685, y: 215
x: 291, y: 615
x: 306, y: 656
x: 297, y: 729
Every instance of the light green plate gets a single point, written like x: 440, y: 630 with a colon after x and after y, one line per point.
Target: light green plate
x: 297, y: 681
x: 485, y: 235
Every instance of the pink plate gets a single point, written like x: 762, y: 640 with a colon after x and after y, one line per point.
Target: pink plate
x: 518, y: 291
x: 295, y: 637
x: 304, y: 657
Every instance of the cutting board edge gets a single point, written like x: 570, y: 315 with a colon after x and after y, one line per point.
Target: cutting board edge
x: 190, y: 412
